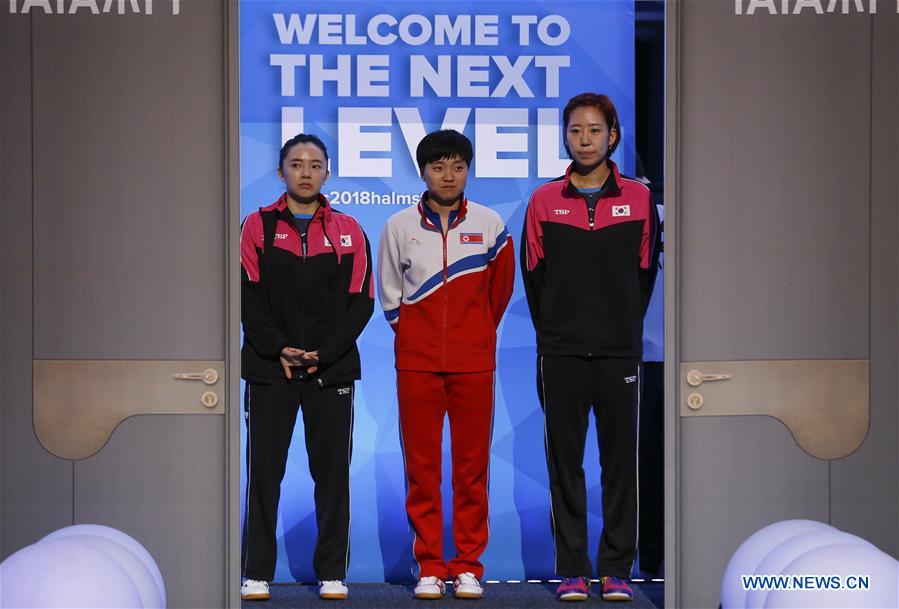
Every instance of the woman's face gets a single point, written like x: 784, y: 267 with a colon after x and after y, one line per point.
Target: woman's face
x: 445, y: 179
x: 304, y: 171
x: 588, y: 136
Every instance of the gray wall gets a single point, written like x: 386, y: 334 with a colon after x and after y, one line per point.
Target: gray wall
x: 35, y: 487
x: 784, y: 201
x: 864, y: 491
x: 115, y: 177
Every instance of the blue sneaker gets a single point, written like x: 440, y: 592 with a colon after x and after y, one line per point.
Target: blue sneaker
x: 573, y: 589
x: 616, y: 589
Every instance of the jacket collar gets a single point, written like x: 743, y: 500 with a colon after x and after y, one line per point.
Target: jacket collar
x: 324, y: 211
x: 613, y: 181
x: 431, y: 219
x: 324, y: 208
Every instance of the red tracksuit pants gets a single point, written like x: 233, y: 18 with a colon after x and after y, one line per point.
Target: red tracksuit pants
x: 424, y: 399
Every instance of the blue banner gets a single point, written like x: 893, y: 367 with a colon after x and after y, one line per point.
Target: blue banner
x: 371, y: 79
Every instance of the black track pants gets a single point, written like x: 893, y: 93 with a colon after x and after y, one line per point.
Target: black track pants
x: 271, y: 412
x: 569, y: 387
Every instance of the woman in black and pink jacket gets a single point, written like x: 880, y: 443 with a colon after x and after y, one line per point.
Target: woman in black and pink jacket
x: 589, y: 258
x: 306, y: 296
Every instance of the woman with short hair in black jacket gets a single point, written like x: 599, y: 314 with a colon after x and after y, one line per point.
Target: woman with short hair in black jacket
x: 306, y: 296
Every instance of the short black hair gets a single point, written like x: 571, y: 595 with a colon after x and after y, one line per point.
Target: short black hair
x: 301, y: 138
x: 444, y: 144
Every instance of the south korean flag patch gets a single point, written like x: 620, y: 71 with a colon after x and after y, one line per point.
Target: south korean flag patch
x: 620, y: 211
x: 346, y: 240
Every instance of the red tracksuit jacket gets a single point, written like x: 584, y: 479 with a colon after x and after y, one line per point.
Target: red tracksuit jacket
x: 444, y: 295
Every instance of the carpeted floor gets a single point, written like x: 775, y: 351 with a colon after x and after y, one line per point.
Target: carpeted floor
x: 497, y: 596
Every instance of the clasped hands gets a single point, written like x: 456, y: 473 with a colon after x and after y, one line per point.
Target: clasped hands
x: 291, y: 356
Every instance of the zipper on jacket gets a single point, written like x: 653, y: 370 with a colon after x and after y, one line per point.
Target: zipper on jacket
x: 591, y: 213
x: 304, y: 239
x: 445, y: 303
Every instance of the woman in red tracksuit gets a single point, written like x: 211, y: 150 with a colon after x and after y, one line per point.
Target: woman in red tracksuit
x: 445, y: 277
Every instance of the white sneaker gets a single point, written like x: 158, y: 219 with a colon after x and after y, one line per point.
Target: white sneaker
x: 430, y: 587
x: 467, y: 585
x: 333, y: 589
x: 254, y: 590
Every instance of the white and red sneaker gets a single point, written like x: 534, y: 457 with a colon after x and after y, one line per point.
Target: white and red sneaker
x: 430, y: 588
x: 466, y: 585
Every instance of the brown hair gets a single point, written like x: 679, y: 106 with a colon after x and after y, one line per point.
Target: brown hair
x: 600, y: 102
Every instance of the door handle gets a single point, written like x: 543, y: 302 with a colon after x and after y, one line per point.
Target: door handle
x: 824, y: 403
x: 208, y: 376
x: 695, y: 378
x: 79, y: 403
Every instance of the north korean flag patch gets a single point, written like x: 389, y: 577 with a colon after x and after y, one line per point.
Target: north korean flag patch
x: 467, y: 238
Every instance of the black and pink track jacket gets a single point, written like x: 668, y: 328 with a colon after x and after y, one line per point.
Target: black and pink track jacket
x: 588, y: 284
x: 313, y: 296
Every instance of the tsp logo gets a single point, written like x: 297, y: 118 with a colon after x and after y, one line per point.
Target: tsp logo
x: 280, y: 235
x: 562, y: 212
